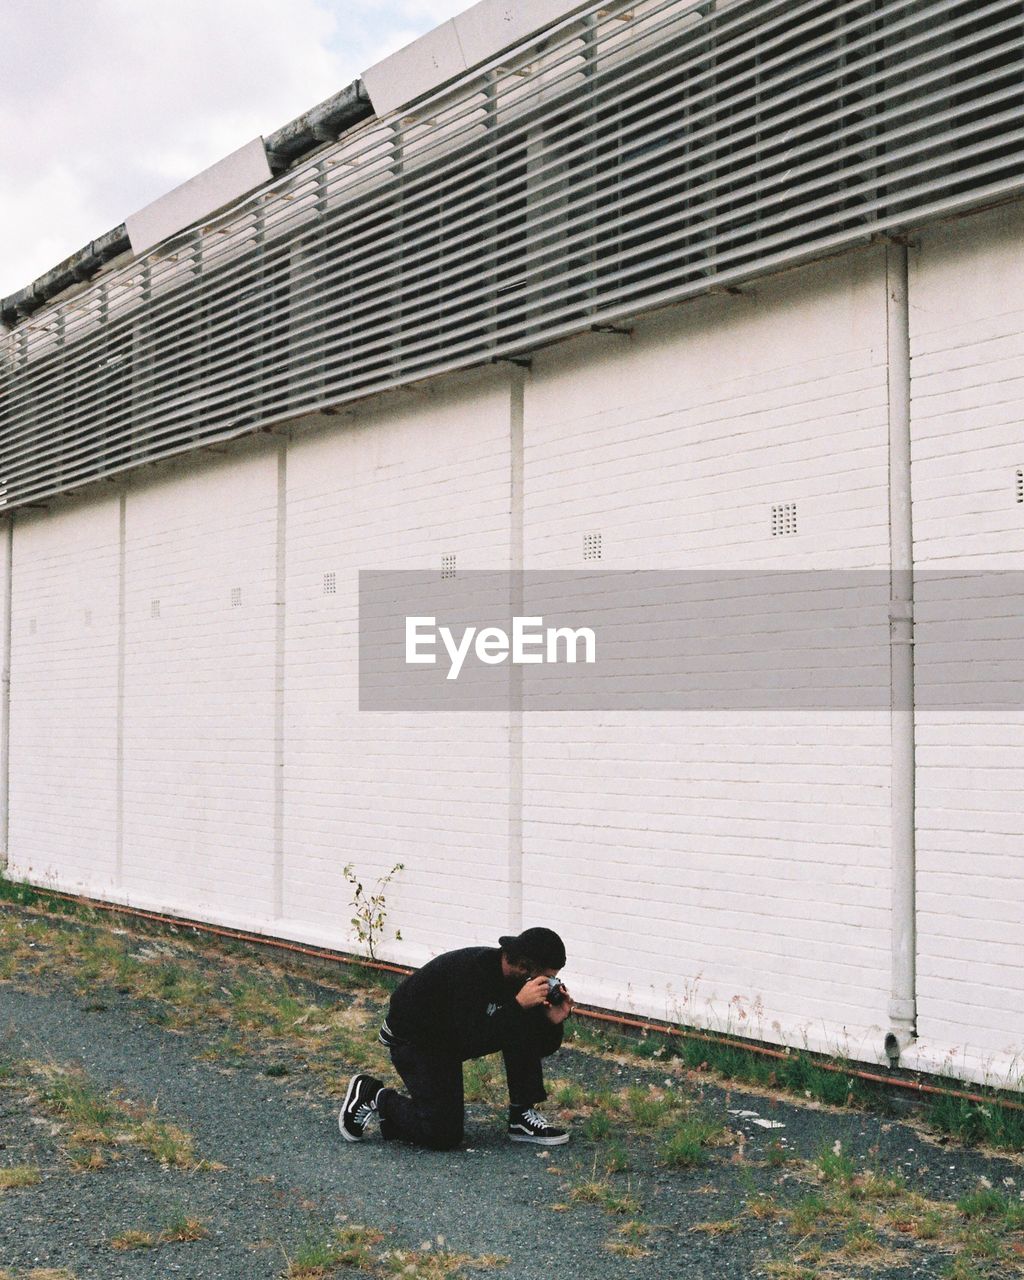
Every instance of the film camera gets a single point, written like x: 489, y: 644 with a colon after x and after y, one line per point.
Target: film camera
x: 556, y: 991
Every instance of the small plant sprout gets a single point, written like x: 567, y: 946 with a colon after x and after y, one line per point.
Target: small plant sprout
x: 371, y: 909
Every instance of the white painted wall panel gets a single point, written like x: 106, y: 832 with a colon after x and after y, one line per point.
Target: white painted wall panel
x: 63, y: 696
x: 421, y: 475
x: 967, y: 334
x: 724, y: 868
x: 199, y: 685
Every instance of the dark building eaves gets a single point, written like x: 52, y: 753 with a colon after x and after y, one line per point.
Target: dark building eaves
x: 322, y: 123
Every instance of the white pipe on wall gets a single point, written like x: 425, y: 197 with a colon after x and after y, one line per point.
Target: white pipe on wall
x: 903, y: 1002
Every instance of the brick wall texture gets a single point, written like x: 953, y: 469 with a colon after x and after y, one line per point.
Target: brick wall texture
x: 185, y: 729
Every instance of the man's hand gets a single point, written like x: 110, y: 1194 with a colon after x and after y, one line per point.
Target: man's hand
x: 533, y: 993
x: 557, y: 1013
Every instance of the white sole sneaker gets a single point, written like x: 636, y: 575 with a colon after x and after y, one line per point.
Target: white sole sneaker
x: 558, y: 1141
x: 353, y: 1085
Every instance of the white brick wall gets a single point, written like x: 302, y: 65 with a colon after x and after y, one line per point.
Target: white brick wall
x: 199, y: 688
x: 721, y: 867
x: 63, y: 747
x: 422, y: 475
x: 967, y: 335
x: 729, y: 868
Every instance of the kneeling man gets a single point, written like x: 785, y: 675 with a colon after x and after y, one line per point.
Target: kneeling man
x: 466, y: 1004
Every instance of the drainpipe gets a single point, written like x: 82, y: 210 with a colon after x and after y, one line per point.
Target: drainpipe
x: 903, y: 1002
x: 6, y: 562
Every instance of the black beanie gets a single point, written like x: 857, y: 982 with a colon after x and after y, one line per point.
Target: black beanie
x: 543, y: 946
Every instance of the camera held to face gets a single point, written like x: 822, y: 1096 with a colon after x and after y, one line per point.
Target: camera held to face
x: 556, y: 991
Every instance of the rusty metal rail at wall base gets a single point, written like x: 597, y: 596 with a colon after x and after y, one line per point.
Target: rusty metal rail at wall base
x: 645, y: 1025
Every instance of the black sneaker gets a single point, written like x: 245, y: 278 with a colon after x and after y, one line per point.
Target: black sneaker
x: 359, y: 1105
x: 530, y: 1126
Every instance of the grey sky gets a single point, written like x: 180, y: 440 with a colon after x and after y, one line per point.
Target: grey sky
x: 107, y: 104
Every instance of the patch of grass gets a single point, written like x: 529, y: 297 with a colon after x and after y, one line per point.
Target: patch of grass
x: 789, y: 1269
x: 182, y: 1228
x: 596, y: 1127
x: 991, y: 1204
x: 977, y: 1123
x: 930, y: 1225
x: 72, y: 1096
x: 167, y: 1142
x: 817, y: 1212
x: 835, y: 1166
x: 98, y: 1119
x: 627, y: 1248
x: 614, y: 1158
x: 88, y: 1161
x: 648, y: 1109
x: 962, y: 1269
x: 355, y: 1245
x: 126, y: 1240
x: 685, y: 1145
x: 861, y: 1242
x: 606, y: 1195
x: 568, y: 1094
x: 719, y: 1227
x: 977, y: 1242
x: 763, y: 1206
x: 313, y: 1258
x: 22, y: 895
x: 875, y: 1186
x: 434, y: 1264
x: 18, y: 1176
x: 622, y: 1202
x: 581, y: 1033
x: 776, y: 1154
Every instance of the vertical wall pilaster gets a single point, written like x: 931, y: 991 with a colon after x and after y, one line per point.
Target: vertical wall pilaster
x: 515, y: 709
x: 280, y: 617
x: 122, y: 523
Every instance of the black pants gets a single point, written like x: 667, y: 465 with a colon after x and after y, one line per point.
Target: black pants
x: 432, y: 1116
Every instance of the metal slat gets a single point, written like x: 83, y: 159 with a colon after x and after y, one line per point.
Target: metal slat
x: 472, y: 320
x: 468, y: 346
x: 406, y: 271
x: 935, y: 208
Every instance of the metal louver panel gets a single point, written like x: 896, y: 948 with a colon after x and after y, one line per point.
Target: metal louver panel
x: 638, y: 155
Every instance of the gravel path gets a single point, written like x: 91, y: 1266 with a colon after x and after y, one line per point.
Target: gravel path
x: 290, y: 1177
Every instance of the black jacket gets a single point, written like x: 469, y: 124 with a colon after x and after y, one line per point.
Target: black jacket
x: 460, y: 1002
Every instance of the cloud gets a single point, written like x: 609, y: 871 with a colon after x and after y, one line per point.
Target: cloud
x: 105, y: 106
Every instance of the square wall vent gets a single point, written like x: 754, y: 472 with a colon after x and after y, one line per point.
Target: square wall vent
x: 330, y: 583
x: 783, y: 519
x: 591, y: 546
x: 448, y: 566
